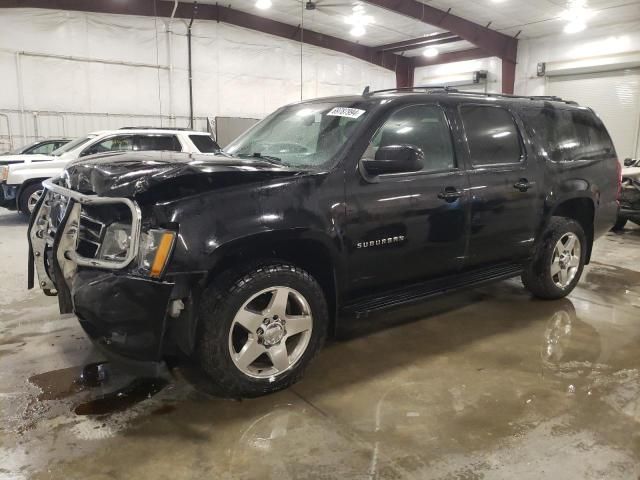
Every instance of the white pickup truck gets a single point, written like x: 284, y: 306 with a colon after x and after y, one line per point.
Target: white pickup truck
x: 21, y: 183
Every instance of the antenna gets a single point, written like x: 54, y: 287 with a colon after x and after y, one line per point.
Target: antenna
x: 365, y: 92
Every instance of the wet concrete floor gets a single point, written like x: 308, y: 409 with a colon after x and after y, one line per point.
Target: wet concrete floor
x: 488, y: 384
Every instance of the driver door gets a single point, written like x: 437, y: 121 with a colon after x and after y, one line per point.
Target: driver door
x: 406, y: 227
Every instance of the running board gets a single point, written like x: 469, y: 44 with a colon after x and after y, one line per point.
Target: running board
x: 418, y: 292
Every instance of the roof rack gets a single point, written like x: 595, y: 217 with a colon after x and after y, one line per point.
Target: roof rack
x: 157, y: 128
x: 447, y: 89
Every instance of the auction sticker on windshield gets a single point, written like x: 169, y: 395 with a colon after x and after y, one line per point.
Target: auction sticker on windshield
x: 346, y: 112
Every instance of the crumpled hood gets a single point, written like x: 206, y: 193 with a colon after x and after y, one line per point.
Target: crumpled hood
x: 127, y: 174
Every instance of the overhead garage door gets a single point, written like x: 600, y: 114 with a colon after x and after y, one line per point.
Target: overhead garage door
x: 615, y: 97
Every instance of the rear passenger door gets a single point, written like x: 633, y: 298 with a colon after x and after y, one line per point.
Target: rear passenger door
x: 503, y: 186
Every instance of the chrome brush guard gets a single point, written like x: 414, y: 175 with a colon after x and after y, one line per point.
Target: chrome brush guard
x: 56, y: 224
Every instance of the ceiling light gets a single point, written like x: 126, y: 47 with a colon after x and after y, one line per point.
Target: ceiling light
x: 576, y: 16
x: 358, y: 31
x: 358, y: 21
x: 575, y: 27
x: 431, y: 52
x: 263, y: 4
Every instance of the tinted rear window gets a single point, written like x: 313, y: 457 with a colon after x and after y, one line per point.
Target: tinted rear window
x: 567, y: 135
x: 204, y: 143
x: 159, y: 142
x: 492, y: 135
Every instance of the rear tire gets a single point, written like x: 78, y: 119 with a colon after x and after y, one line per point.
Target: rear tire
x: 247, y: 343
x: 29, y: 196
x: 619, y: 225
x: 558, y: 261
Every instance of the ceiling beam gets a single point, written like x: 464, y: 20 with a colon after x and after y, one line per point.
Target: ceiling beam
x: 449, y: 57
x: 495, y: 43
x: 149, y: 8
x: 419, y: 43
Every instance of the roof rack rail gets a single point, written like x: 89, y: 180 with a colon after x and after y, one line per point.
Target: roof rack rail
x: 550, y: 98
x: 146, y: 127
x: 448, y: 89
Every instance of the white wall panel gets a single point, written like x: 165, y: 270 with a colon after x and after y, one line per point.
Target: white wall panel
x: 458, y: 71
x: 236, y: 72
x: 614, y: 96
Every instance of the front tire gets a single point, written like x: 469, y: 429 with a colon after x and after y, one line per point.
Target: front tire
x: 559, y: 260
x: 29, y: 197
x: 259, y: 328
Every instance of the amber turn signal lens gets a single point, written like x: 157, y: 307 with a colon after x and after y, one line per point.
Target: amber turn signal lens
x: 162, y: 254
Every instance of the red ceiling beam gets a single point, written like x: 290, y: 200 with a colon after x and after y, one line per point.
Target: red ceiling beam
x: 495, y: 43
x: 218, y: 13
x: 418, y: 43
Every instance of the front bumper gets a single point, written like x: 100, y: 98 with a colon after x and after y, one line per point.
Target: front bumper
x: 629, y: 214
x: 122, y: 313
x: 8, y: 195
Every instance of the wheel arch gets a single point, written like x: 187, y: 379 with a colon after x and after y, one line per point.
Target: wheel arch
x: 24, y: 185
x: 582, y: 210
x: 314, y: 253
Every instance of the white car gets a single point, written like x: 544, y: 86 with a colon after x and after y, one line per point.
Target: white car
x: 21, y: 183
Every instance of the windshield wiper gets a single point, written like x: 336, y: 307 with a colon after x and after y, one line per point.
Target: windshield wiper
x: 268, y: 158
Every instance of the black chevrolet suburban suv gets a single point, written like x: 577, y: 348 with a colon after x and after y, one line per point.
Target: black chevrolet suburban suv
x: 325, y: 211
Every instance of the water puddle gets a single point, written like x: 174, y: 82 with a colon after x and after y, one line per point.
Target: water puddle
x: 66, y: 382
x: 62, y: 383
x: 135, y: 392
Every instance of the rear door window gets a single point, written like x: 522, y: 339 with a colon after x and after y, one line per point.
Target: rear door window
x: 492, y: 135
x: 158, y: 142
x: 204, y: 143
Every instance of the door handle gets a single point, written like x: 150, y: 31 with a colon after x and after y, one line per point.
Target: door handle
x: 449, y: 194
x: 523, y: 185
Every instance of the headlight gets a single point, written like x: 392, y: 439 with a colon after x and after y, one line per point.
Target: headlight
x: 4, y: 173
x: 116, y: 242
x: 155, y: 249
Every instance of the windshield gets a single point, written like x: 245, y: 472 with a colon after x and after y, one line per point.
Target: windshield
x: 19, y: 150
x: 306, y: 135
x: 71, y: 145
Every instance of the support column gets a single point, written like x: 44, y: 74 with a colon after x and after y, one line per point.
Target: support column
x: 404, y: 72
x: 508, y: 76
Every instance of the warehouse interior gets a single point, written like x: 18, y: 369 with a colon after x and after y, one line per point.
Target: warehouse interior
x: 483, y: 383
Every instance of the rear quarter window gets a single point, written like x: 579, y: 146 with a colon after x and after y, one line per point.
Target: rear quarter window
x: 566, y: 135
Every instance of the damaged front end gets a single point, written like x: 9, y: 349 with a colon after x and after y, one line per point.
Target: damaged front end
x: 630, y: 195
x: 91, y: 251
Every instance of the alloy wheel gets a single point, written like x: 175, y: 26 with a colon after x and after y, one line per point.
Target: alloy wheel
x: 270, y: 332
x: 33, y: 200
x: 565, y: 260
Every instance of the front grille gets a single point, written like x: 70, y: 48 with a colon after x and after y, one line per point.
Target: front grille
x: 90, y: 236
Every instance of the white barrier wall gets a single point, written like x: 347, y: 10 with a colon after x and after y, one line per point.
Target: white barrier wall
x: 461, y: 73
x: 592, y: 45
x: 98, y: 64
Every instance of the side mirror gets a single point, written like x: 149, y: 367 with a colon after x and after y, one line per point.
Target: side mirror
x: 395, y: 159
x: 629, y: 162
